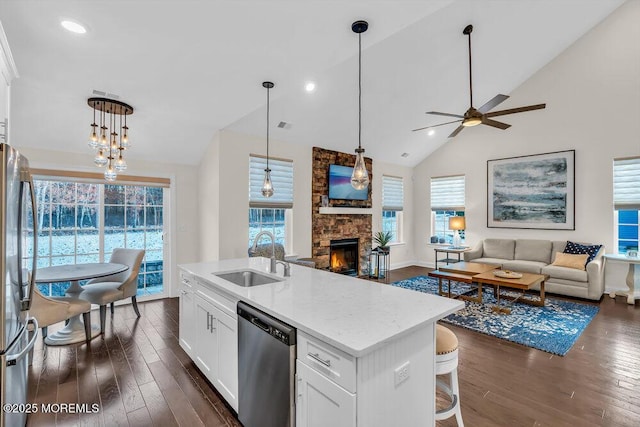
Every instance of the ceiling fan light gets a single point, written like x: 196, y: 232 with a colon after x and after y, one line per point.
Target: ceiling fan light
x: 471, y: 121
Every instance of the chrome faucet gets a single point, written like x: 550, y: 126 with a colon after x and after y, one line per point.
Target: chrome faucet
x: 272, y: 267
x: 287, y: 268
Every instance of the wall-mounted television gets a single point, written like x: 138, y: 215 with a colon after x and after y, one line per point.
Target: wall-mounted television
x: 340, y: 184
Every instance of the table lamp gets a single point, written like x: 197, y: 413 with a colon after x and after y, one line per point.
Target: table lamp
x: 456, y: 223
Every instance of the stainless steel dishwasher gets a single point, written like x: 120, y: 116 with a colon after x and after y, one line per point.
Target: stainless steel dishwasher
x: 266, y: 369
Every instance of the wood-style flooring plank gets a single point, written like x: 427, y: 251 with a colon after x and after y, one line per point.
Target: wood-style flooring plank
x: 158, y: 407
x: 140, y: 418
x: 203, y: 407
x: 178, y: 402
x: 47, y: 391
x: 112, y: 406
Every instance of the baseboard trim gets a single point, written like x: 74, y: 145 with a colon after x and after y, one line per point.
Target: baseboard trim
x: 411, y: 263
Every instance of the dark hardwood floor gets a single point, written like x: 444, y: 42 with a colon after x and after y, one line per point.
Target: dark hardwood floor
x: 138, y: 375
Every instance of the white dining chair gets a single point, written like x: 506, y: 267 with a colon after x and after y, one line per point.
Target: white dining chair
x: 51, y: 310
x: 108, y: 289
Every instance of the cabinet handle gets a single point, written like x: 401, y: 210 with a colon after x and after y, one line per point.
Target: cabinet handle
x: 299, y: 386
x: 208, y: 321
x: 212, y: 327
x: 316, y: 357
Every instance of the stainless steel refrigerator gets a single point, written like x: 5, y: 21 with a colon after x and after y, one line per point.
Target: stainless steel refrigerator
x: 17, y: 266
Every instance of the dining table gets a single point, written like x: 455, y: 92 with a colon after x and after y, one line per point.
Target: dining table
x: 74, y: 332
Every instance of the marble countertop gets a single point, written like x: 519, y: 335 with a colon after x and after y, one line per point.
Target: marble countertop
x: 354, y: 315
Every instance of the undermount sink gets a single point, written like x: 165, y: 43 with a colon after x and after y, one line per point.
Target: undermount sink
x: 247, y: 278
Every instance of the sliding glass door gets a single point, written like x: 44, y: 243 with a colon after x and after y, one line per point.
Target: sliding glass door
x: 80, y: 222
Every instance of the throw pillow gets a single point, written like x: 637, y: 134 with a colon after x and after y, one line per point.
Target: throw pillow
x: 578, y: 249
x: 570, y: 260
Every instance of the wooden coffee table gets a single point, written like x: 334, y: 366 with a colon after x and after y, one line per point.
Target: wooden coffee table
x: 525, y: 283
x: 470, y: 269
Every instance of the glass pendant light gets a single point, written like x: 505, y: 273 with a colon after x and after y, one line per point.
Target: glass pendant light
x: 93, y: 137
x: 125, y: 134
x: 103, y: 142
x: 120, y: 164
x: 360, y: 175
x: 267, y: 185
x: 100, y: 160
x: 110, y: 173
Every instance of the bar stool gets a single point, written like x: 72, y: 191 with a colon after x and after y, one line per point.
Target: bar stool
x: 447, y: 364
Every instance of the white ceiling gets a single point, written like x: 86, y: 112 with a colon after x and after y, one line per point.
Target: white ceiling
x: 190, y: 68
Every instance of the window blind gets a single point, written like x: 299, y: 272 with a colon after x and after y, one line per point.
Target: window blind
x: 626, y: 183
x: 392, y: 193
x: 447, y: 193
x: 281, y: 178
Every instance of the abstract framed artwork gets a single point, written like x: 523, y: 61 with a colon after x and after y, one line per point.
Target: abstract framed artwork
x: 536, y: 191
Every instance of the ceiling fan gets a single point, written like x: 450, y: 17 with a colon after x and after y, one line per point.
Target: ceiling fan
x: 482, y: 115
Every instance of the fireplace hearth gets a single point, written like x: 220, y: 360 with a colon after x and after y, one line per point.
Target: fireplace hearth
x: 343, y: 256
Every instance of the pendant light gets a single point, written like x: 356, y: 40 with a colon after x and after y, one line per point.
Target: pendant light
x: 108, y: 143
x: 360, y: 175
x: 267, y: 186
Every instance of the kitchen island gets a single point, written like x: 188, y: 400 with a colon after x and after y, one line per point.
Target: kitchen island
x: 377, y: 341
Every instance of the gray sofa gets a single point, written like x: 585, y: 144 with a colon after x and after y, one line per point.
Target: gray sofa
x: 535, y: 256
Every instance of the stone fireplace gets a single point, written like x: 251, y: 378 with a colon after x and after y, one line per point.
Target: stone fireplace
x: 331, y: 227
x: 344, y: 256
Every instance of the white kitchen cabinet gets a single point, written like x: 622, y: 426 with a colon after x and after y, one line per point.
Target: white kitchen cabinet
x: 4, y: 111
x: 321, y: 402
x: 209, y: 335
x: 227, y: 361
x: 187, y: 314
x: 206, y: 340
x: 7, y: 73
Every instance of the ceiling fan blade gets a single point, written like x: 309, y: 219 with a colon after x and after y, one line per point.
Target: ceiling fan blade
x: 457, y: 131
x: 433, y: 126
x: 495, y: 123
x: 516, y: 110
x: 437, y: 113
x: 492, y: 103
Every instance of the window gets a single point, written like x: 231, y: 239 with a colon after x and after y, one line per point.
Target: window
x: 271, y: 214
x: 82, y: 222
x: 626, y: 201
x: 392, y: 205
x: 447, y: 200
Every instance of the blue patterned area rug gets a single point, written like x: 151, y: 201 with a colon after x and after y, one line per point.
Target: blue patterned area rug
x: 553, y: 328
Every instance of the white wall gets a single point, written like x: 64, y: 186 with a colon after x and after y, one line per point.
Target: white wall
x: 228, y: 194
x: 183, y: 232
x: 209, y: 202
x: 592, y: 91
x: 402, y: 255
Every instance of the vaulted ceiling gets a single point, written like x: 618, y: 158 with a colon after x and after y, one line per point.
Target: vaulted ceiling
x: 191, y: 68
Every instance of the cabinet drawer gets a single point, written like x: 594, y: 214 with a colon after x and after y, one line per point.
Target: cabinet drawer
x: 328, y: 360
x: 186, y: 278
x: 223, y: 302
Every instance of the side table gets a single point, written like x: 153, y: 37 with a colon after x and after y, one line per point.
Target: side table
x: 379, y: 263
x: 449, y: 250
x: 633, y: 277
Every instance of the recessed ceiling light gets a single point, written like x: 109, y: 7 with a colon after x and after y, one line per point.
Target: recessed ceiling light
x: 310, y: 86
x: 431, y: 132
x: 73, y: 26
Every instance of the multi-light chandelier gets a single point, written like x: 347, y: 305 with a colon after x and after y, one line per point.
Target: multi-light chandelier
x: 104, y: 138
